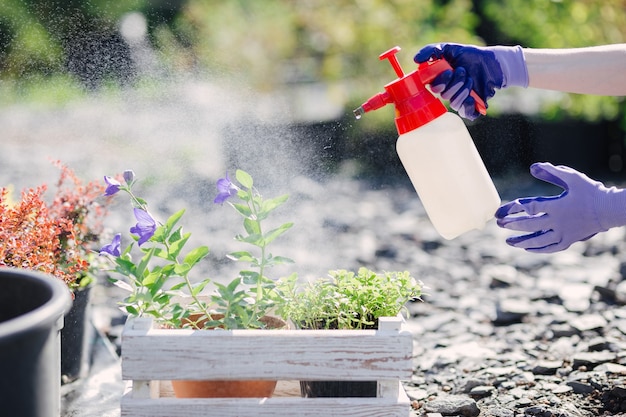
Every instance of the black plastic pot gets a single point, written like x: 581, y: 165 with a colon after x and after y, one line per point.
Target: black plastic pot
x: 76, y: 338
x: 32, y: 306
x: 316, y: 389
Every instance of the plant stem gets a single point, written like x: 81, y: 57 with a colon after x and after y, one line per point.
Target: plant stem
x: 194, y: 297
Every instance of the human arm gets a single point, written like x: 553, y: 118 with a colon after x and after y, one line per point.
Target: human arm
x: 585, y: 208
x: 598, y: 70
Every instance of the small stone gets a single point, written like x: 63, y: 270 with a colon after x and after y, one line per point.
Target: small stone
x: 591, y: 359
x: 473, y: 383
x: 453, y: 405
x: 580, y: 387
x: 524, y: 402
x: 482, y: 391
x: 562, y: 330
x: 547, y: 367
x: 416, y: 394
x: 562, y: 389
x: 611, y: 368
x: 588, y: 322
x: 511, y: 311
x: 620, y: 292
x: 499, y: 412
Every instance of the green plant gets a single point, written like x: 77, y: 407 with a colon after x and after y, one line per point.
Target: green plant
x: 156, y: 269
x: 345, y: 299
x: 55, y: 237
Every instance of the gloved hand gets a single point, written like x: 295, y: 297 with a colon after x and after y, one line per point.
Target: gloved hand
x: 585, y: 208
x: 482, y: 69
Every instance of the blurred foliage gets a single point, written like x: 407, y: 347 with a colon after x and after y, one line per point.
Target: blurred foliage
x: 277, y: 42
x: 562, y: 24
x: 273, y: 43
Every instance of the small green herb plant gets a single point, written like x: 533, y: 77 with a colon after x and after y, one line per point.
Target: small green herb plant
x: 345, y: 299
x: 155, y: 267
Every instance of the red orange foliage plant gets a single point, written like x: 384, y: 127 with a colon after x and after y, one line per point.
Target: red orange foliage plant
x: 56, y: 237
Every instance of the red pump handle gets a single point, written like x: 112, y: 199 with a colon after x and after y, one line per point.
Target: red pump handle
x: 430, y: 69
x: 393, y: 60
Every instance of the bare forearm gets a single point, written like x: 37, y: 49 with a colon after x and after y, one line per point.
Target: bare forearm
x: 598, y: 70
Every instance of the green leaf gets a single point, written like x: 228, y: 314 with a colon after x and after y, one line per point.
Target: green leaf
x: 143, y: 264
x: 243, y: 256
x: 253, y: 227
x: 173, y: 219
x: 279, y: 260
x: 160, y: 233
x: 273, y: 234
x: 196, y: 255
x: 159, y: 253
x: 256, y: 240
x: 177, y: 246
x: 232, y: 286
x: 273, y: 203
x: 244, y: 178
x: 178, y: 286
x: 125, y: 266
x: 249, y: 277
x: 151, y: 278
x: 175, y: 236
x: 197, y: 289
x: 182, y: 269
x: 242, y: 209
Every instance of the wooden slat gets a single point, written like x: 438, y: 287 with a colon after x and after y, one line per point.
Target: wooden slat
x: 266, y: 407
x: 157, y: 354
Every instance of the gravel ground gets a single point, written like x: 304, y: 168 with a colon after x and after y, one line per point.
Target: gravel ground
x: 499, y: 333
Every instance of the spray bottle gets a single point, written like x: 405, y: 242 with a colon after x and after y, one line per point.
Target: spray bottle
x: 437, y: 151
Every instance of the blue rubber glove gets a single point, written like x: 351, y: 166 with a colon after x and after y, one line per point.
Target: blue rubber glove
x: 585, y: 208
x: 482, y: 69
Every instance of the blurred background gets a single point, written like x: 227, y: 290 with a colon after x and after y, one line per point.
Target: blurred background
x: 292, y: 71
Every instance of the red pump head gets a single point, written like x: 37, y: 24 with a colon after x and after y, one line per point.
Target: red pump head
x: 415, y: 104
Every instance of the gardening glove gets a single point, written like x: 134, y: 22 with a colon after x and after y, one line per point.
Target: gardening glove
x: 553, y: 223
x: 482, y: 69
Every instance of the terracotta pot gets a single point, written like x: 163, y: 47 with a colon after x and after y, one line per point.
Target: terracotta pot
x: 229, y: 389
x: 223, y: 389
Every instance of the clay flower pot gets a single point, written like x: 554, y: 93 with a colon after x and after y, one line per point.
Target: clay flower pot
x: 229, y: 389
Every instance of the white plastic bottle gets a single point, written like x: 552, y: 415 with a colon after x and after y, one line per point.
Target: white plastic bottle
x: 437, y: 152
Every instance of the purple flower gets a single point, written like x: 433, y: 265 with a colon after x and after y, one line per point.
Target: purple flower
x: 113, y: 185
x: 129, y: 176
x: 145, y: 227
x: 113, y: 248
x: 225, y: 189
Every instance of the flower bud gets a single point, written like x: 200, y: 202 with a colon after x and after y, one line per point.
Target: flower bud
x: 129, y: 176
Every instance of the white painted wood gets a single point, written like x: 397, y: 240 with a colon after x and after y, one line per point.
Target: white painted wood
x: 141, y: 389
x: 150, y: 355
x: 388, y: 388
x: 272, y: 354
x: 267, y: 407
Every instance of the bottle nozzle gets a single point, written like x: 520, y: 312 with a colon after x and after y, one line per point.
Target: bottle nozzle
x: 358, y: 112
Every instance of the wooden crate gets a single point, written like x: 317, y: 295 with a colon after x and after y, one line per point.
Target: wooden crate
x: 152, y: 357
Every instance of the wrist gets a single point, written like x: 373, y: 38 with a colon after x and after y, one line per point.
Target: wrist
x: 513, y: 64
x: 611, y: 208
